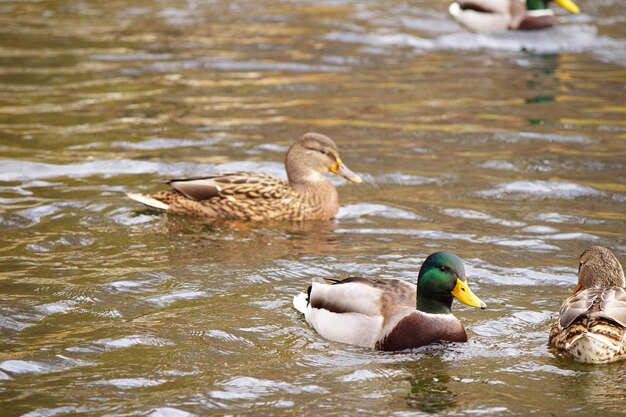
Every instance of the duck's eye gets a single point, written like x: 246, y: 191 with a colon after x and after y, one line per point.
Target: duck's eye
x: 443, y: 269
x: 324, y: 152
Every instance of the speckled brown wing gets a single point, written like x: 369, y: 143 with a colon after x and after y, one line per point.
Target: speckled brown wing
x: 234, y: 195
x: 235, y: 184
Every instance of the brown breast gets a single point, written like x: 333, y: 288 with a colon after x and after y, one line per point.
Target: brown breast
x: 420, y: 329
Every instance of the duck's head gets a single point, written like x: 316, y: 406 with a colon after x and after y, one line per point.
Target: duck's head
x: 313, y: 155
x: 599, y: 268
x: 568, y: 5
x: 441, y: 277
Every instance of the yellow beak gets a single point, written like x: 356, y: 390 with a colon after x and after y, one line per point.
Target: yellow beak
x: 463, y: 293
x: 343, y: 171
x: 568, y: 5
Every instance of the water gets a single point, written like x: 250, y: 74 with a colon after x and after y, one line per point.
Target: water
x: 506, y: 149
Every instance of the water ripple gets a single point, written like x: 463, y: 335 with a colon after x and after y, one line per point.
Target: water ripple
x: 575, y: 38
x: 249, y: 388
x: 354, y: 211
x: 166, y: 299
x: 133, y: 340
x: 478, y: 215
x: 16, y: 170
x: 130, y: 383
x: 169, y: 412
x: 543, y: 189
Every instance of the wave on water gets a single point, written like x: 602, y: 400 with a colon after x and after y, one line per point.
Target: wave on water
x: 19, y: 366
x: 132, y: 340
x: 479, y: 215
x: 129, y: 383
x: 229, y: 64
x: 17, y: 170
x: 244, y: 387
x: 169, y: 412
x: 540, y: 188
x: 353, y: 211
x: 510, y: 276
x: 572, y: 38
x: 166, y: 143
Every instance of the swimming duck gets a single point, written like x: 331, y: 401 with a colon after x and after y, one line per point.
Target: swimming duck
x: 239, y: 195
x: 500, y: 15
x: 382, y: 314
x: 591, y: 326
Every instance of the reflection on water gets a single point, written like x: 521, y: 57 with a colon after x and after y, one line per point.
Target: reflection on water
x: 429, y: 387
x: 504, y: 148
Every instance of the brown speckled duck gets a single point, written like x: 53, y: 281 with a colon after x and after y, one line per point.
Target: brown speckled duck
x: 591, y: 326
x: 382, y: 314
x: 307, y: 195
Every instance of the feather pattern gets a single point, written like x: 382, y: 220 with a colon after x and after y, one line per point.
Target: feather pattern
x: 241, y: 195
x: 591, y: 326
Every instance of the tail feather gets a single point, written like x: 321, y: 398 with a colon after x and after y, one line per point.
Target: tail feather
x: 148, y: 201
x: 593, y: 348
x: 300, y: 302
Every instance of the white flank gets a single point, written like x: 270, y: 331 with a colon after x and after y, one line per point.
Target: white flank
x: 147, y: 200
x: 300, y: 303
x: 540, y: 13
x: 351, y: 328
x: 479, y: 21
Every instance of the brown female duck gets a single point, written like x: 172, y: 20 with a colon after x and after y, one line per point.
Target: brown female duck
x: 382, y: 314
x: 591, y: 326
x: 307, y: 195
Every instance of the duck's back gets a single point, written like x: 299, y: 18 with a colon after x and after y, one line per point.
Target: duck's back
x: 248, y: 196
x: 591, y: 326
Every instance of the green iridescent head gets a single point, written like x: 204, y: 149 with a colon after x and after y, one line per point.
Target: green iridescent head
x: 568, y: 5
x: 442, y: 277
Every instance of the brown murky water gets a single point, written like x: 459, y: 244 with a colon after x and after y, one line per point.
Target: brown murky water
x: 508, y: 149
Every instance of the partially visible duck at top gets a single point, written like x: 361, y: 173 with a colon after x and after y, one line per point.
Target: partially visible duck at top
x: 591, y: 326
x: 500, y: 15
x: 242, y: 195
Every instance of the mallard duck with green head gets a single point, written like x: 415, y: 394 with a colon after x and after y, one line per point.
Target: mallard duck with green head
x: 591, y: 326
x: 391, y: 314
x: 501, y: 15
x: 240, y: 195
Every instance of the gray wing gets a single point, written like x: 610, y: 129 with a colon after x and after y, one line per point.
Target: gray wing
x: 363, y: 295
x: 576, y: 306
x: 613, y: 305
x: 401, y: 292
x: 396, y: 290
x: 353, y: 295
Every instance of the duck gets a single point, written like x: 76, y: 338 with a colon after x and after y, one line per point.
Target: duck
x: 256, y: 196
x: 499, y: 15
x: 391, y: 314
x: 591, y: 326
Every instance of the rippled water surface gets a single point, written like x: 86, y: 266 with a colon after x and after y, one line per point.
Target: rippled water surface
x: 507, y: 149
